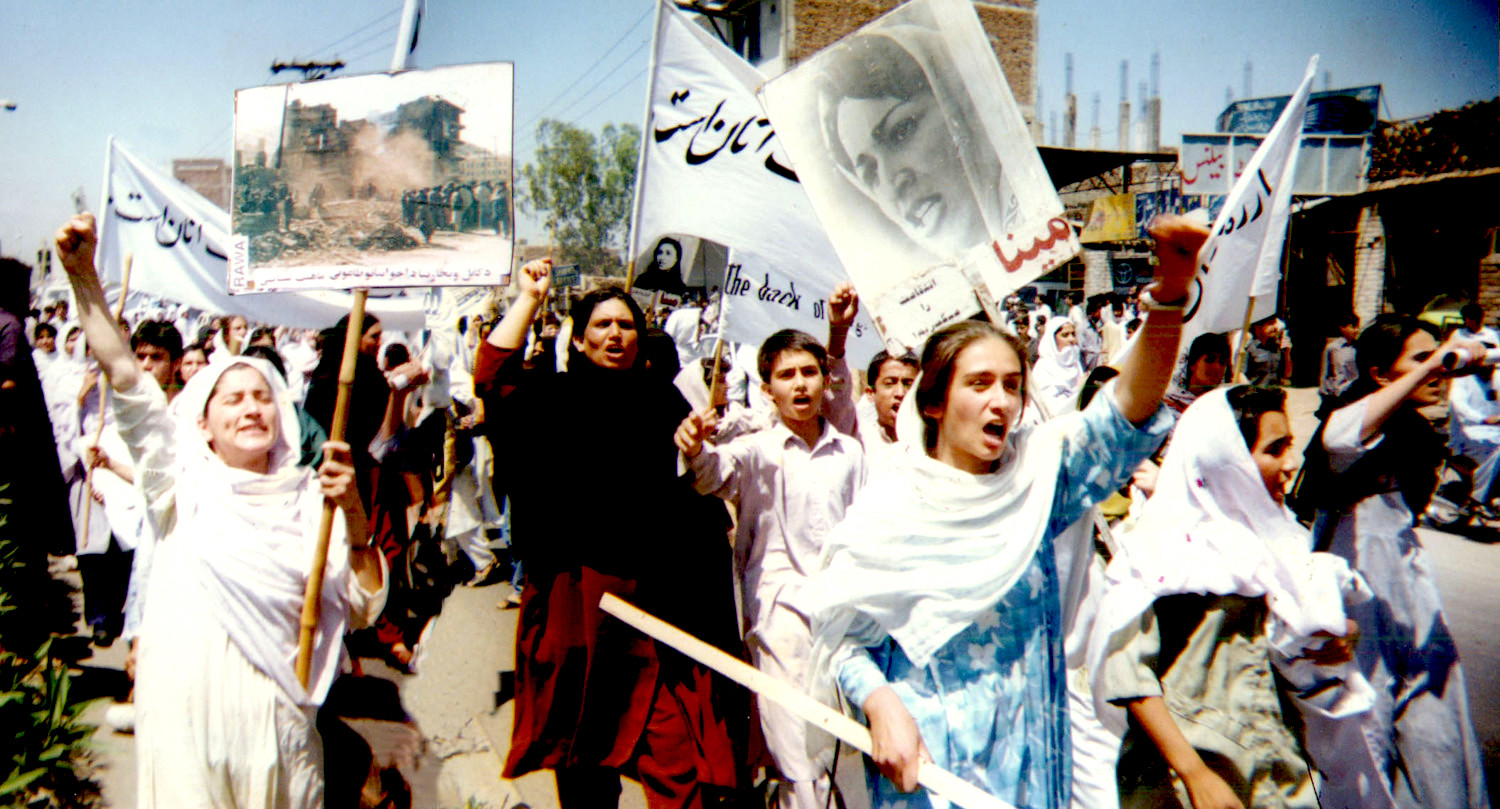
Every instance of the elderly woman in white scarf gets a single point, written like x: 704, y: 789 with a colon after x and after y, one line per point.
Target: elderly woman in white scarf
x: 223, y: 719
x: 1214, y: 590
x: 1058, y: 372
x: 937, y: 616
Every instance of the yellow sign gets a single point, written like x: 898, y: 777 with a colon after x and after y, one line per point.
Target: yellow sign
x: 1113, y: 220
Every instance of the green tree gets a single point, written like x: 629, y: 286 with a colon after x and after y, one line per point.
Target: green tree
x: 582, y: 187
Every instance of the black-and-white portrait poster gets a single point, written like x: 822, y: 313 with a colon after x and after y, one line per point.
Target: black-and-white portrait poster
x: 385, y: 180
x: 918, y: 161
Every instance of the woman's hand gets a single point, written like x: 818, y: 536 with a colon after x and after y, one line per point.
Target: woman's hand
x: 95, y: 458
x: 1468, y: 353
x: 1208, y: 791
x: 90, y: 381
x: 535, y: 278
x: 1144, y: 477
x: 1177, y: 242
x: 76, y: 241
x: 897, y: 746
x: 694, y: 430
x: 336, y: 476
x: 411, y: 373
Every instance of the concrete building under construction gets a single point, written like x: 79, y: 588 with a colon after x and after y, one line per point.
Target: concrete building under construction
x: 318, y: 149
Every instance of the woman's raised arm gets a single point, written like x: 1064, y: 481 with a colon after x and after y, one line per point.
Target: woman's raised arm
x: 75, y: 248
x: 1148, y: 367
x: 534, y: 279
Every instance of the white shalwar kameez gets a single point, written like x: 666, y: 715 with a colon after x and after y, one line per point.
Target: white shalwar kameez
x: 1419, y: 732
x: 222, y: 720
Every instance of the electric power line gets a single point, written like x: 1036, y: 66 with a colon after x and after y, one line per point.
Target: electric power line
x: 609, y: 95
x: 384, y: 47
x: 586, y: 72
x: 617, y: 66
x: 384, y: 33
x: 356, y: 31
x: 214, y: 141
x: 531, y: 139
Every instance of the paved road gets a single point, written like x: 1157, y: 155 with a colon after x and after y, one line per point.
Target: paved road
x: 1467, y: 571
x: 451, y: 697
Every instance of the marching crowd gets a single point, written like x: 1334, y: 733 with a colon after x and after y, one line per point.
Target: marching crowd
x: 927, y: 551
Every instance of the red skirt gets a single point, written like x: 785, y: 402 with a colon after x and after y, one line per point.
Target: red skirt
x: 590, y: 692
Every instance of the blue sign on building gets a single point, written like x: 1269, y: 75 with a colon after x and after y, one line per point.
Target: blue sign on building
x: 1351, y: 111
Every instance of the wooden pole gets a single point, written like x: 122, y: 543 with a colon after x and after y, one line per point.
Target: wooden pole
x: 442, y: 493
x: 1239, y: 354
x: 313, y: 595
x: 713, y: 387
x: 942, y: 783
x: 88, y: 482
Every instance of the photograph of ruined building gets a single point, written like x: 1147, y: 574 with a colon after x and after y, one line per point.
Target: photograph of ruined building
x: 408, y: 174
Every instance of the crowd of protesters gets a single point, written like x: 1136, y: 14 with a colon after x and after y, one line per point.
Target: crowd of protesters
x: 923, y: 546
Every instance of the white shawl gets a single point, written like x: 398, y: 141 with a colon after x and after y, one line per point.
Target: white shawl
x: 250, y: 537
x: 926, y: 548
x: 1211, y: 527
x: 1058, y: 372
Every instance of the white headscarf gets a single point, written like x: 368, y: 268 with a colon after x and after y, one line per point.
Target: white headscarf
x: 249, y: 540
x: 1211, y: 527
x: 1058, y: 372
x: 927, y: 548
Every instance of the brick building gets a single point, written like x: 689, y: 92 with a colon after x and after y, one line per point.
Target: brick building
x: 774, y: 35
x: 209, y: 176
x: 1413, y: 241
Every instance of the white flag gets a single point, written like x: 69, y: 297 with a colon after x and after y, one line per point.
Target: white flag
x: 1242, y: 256
x: 179, y: 242
x: 711, y: 167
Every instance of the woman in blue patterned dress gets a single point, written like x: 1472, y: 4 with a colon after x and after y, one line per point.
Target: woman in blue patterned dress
x: 937, y: 615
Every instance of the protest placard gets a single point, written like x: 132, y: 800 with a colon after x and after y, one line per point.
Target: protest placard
x: 918, y: 161
x: 386, y: 180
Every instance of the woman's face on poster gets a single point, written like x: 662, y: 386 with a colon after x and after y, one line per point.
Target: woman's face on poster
x: 666, y: 256
x: 904, y: 159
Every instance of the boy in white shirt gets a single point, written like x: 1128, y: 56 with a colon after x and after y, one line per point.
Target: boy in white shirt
x: 791, y: 485
x: 887, y: 381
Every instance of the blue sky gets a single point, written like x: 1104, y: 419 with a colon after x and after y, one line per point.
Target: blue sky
x: 161, y: 75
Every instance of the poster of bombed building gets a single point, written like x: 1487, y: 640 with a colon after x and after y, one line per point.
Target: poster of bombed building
x: 918, y: 161
x: 385, y: 180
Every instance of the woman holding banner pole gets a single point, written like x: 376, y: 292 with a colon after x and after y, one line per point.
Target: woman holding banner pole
x: 223, y: 719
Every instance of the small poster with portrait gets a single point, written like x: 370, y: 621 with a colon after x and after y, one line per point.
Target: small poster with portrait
x: 920, y: 166
x: 668, y: 266
x: 384, y: 180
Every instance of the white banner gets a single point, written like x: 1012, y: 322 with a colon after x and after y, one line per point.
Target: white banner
x: 1242, y: 256
x: 760, y: 300
x: 712, y: 167
x: 178, y: 240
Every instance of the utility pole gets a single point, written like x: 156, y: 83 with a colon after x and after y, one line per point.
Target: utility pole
x: 311, y: 71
